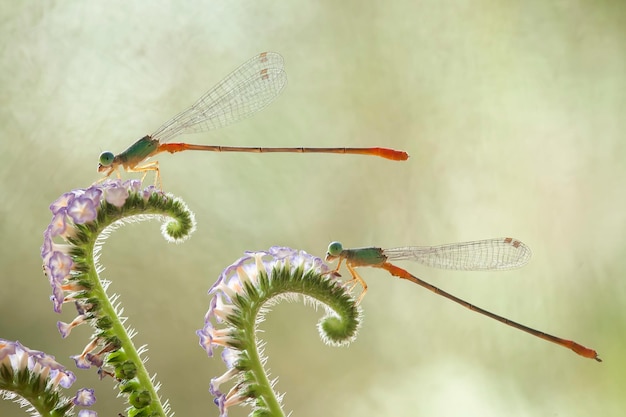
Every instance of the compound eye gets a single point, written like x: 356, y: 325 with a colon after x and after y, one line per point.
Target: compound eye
x: 106, y: 158
x: 335, y: 249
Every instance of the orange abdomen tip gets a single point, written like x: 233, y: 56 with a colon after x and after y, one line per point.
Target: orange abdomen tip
x: 392, y: 154
x: 585, y: 351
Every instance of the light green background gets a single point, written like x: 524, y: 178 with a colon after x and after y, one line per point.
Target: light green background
x: 514, y: 116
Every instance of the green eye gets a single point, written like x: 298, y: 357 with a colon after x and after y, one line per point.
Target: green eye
x: 106, y: 158
x: 335, y: 249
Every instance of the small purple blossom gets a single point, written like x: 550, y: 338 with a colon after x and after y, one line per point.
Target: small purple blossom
x: 94, y: 194
x: 116, y: 196
x: 58, y: 225
x: 46, y: 247
x: 80, y: 307
x: 230, y: 357
x: 232, y: 285
x: 206, y: 338
x: 220, y: 401
x: 228, y: 271
x: 49, y: 247
x: 219, y: 309
x: 281, y: 252
x: 225, y: 401
x: 62, y: 378
x: 82, y: 210
x: 148, y: 191
x: 81, y: 361
x: 84, y: 397
x: 234, y: 397
x: 132, y: 185
x: 87, y: 361
x: 60, y: 266
x: 87, y: 413
x: 66, y: 328
x: 7, y: 347
x: 57, y: 298
x: 210, y: 336
x: 62, y: 202
x: 96, y: 360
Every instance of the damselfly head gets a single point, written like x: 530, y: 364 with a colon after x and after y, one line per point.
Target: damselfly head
x: 334, y: 251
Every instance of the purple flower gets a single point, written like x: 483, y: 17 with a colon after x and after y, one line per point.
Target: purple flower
x: 87, y: 413
x: 60, y: 266
x: 96, y: 360
x: 57, y: 298
x: 116, y: 196
x: 7, y: 347
x: 148, y: 191
x: 61, y: 202
x: 219, y: 309
x: 229, y: 356
x: 234, y: 397
x: 94, y: 194
x: 84, y: 397
x: 58, y: 225
x: 66, y: 328
x: 82, y: 360
x: 82, y: 210
x: 228, y: 271
x: 210, y: 336
x: 49, y: 246
x: 46, y: 248
x: 132, y: 185
x: 62, y: 378
x: 206, y: 339
x: 220, y: 401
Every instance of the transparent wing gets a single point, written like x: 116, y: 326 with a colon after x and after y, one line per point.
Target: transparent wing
x: 245, y: 91
x: 478, y: 255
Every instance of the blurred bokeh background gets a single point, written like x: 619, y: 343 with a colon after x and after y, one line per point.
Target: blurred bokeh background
x: 514, y: 116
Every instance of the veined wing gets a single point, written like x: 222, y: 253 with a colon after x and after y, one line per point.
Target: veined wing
x: 478, y: 255
x: 245, y: 91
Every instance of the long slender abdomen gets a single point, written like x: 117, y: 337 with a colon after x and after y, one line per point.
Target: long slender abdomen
x: 386, y: 153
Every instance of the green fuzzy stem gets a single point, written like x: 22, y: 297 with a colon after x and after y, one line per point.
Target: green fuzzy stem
x: 338, y: 327
x: 129, y: 370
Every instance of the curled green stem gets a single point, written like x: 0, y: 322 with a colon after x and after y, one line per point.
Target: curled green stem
x: 241, y: 297
x: 82, y: 219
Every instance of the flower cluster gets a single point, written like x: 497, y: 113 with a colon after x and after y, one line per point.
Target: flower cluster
x: 72, y: 215
x: 237, y: 307
x: 77, y: 219
x: 37, y: 377
x: 81, y: 221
